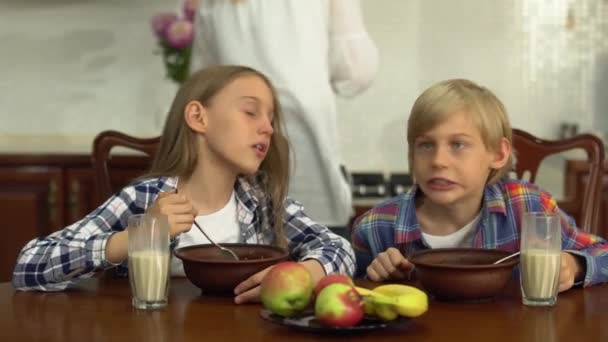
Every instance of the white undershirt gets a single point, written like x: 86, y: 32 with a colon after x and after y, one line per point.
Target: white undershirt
x: 463, y: 237
x: 221, y: 226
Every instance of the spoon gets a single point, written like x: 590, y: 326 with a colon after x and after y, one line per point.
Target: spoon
x: 225, y: 250
x: 507, y: 258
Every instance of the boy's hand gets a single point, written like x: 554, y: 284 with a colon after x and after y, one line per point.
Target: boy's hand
x: 178, y: 209
x: 390, y: 264
x: 571, y: 269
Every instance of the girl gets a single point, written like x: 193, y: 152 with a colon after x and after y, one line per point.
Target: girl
x: 224, y: 161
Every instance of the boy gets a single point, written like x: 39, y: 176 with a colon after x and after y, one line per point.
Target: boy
x: 459, y: 140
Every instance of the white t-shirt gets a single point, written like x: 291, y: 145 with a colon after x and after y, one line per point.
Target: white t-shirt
x: 221, y: 226
x: 462, y: 238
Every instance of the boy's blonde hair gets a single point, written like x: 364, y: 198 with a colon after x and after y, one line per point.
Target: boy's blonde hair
x: 179, y: 148
x: 442, y: 99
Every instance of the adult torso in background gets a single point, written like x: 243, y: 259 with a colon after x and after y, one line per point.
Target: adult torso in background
x: 289, y: 41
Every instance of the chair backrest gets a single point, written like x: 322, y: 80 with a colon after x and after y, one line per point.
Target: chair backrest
x: 103, y: 144
x: 530, y: 151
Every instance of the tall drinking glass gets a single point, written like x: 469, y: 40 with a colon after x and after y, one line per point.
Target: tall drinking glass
x: 149, y: 258
x: 541, y: 243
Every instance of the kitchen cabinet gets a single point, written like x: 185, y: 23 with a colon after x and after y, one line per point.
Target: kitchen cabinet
x: 43, y: 193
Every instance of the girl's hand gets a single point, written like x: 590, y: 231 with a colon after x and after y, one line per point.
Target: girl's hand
x: 571, y: 269
x: 248, y: 291
x: 390, y: 264
x: 178, y: 209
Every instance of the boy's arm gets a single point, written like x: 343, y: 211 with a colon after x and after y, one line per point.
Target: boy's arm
x: 362, y: 251
x: 591, y: 249
x: 310, y: 240
x: 77, y: 251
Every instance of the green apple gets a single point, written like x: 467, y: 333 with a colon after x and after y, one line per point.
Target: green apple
x: 339, y: 305
x: 286, y: 289
x: 331, y: 279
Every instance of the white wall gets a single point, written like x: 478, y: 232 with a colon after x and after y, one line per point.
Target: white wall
x: 81, y: 66
x: 75, y: 67
x: 544, y: 71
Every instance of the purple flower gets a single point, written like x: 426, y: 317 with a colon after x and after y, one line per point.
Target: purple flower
x: 180, y: 34
x: 161, y: 22
x: 190, y: 7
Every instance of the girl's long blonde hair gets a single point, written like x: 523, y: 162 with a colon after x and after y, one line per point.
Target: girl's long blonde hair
x: 178, y: 153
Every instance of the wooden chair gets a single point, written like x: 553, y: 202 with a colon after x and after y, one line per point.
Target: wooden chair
x: 530, y: 151
x: 103, y: 144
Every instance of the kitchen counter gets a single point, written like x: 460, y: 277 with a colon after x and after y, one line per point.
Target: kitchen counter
x: 45, y: 144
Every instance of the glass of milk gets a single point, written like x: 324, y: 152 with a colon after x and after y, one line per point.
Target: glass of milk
x: 541, y: 244
x: 149, y: 257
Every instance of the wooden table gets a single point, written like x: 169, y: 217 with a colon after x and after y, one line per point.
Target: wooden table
x: 100, y: 310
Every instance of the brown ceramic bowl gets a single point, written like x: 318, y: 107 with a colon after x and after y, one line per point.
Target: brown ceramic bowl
x: 463, y: 273
x: 209, y: 269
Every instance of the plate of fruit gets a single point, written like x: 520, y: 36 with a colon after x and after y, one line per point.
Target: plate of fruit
x: 306, y: 321
x: 335, y: 304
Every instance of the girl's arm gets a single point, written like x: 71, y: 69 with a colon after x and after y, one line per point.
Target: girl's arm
x: 77, y: 251
x: 310, y: 240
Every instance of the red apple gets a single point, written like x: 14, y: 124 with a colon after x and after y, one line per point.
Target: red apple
x: 339, y: 305
x: 331, y: 279
x: 286, y: 289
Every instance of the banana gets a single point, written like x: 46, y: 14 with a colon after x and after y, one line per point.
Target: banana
x: 409, y: 306
x: 377, y: 304
x: 363, y: 291
x: 408, y: 301
x: 398, y: 290
x: 385, y: 312
x: 368, y: 306
x: 392, y: 300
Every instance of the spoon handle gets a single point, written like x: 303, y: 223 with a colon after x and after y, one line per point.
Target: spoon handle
x: 202, y: 231
x: 222, y: 248
x: 207, y: 236
x: 507, y: 258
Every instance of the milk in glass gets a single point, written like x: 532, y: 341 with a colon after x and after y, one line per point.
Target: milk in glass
x: 540, y: 273
x: 149, y: 259
x: 541, y: 247
x: 149, y: 275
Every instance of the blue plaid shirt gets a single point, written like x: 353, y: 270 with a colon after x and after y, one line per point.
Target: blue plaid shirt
x: 394, y: 224
x: 52, y: 263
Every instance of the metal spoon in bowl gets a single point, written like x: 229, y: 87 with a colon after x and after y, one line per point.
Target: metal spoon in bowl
x: 507, y: 258
x: 224, y: 249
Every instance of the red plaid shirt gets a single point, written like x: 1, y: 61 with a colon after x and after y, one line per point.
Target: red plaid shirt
x: 394, y: 224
